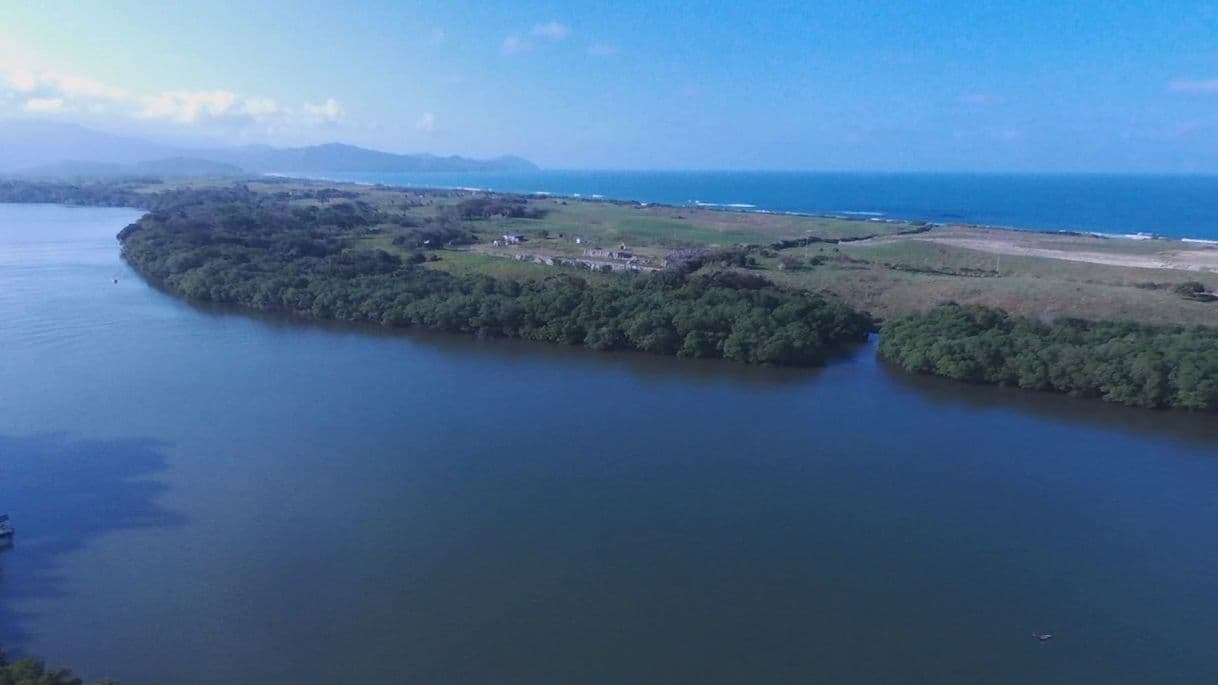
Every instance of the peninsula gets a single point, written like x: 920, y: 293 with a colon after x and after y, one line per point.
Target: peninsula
x: 688, y: 281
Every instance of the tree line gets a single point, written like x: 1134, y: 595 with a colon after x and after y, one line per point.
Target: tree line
x: 1134, y: 364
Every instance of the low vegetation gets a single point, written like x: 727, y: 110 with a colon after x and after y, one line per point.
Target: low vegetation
x: 1194, y: 290
x: 1134, y: 364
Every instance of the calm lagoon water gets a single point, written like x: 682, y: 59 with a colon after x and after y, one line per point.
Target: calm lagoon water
x: 1173, y: 206
x: 205, y: 497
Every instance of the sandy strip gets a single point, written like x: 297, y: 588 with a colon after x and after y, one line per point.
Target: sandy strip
x: 1180, y: 260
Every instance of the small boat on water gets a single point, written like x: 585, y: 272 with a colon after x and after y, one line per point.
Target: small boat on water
x: 6, y: 530
x: 1043, y: 637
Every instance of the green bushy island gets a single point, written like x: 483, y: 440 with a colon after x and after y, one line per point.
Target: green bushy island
x: 272, y: 256
x: 1133, y: 364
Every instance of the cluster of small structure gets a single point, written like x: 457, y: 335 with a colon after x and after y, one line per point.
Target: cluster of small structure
x: 635, y: 264
x: 508, y: 239
x: 621, y: 253
x: 595, y: 258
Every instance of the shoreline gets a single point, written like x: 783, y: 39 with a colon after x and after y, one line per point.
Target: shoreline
x: 751, y: 208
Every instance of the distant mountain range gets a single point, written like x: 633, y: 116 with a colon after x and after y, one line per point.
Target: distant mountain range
x: 339, y: 157
x: 51, y: 149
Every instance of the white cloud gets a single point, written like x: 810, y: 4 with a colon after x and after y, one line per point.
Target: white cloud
x: 514, y: 45
x: 188, y: 107
x: 46, y: 92
x: 426, y: 123
x: 1184, y: 85
x: 602, y: 50
x: 21, y: 80
x: 261, y: 107
x: 551, y: 31
x: 43, y: 105
x: 42, y: 82
x: 74, y: 85
x: 329, y: 111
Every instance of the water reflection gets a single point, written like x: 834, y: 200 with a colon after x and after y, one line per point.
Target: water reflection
x: 1181, y: 425
x: 640, y: 364
x: 1188, y: 427
x: 62, y: 494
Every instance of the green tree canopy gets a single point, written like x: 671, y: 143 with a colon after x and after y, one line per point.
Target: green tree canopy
x: 1129, y: 363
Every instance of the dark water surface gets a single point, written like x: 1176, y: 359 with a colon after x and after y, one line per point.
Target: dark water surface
x: 203, y: 497
x: 1174, y: 206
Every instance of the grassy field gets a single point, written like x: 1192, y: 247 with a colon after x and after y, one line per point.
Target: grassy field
x: 894, y: 276
x: 661, y: 226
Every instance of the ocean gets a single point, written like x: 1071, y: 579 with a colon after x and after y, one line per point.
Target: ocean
x: 1176, y: 206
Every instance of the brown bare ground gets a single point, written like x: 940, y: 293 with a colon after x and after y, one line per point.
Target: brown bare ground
x: 1144, y: 254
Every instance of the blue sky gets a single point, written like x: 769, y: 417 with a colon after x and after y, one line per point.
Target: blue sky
x: 1089, y: 85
